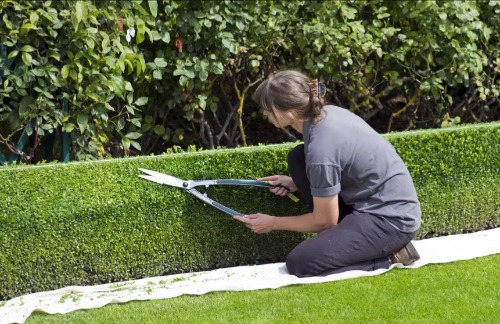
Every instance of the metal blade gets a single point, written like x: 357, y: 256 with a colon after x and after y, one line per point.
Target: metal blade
x: 162, y: 178
x: 150, y: 178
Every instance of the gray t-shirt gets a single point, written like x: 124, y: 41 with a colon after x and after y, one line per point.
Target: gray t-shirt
x: 345, y: 156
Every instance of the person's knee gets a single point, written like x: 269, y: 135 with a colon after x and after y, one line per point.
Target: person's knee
x: 296, y: 264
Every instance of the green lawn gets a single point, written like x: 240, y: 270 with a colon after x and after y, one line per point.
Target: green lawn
x: 459, y: 292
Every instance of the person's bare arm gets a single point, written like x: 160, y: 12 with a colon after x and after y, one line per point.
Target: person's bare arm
x: 324, y: 216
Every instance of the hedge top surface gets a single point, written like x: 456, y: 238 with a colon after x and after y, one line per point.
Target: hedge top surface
x: 249, y: 149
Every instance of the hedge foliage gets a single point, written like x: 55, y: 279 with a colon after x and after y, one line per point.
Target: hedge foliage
x: 140, y: 76
x: 86, y: 223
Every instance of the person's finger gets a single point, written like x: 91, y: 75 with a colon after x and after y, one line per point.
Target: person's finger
x: 283, y: 191
x: 242, y: 219
x: 269, y: 178
x: 272, y: 180
x: 280, y: 191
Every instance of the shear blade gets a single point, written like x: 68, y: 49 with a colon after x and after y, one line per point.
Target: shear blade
x: 150, y: 178
x: 161, y: 178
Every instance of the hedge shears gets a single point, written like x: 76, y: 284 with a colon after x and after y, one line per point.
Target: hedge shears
x: 189, y: 186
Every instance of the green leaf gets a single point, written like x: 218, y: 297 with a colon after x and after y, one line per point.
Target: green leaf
x: 105, y: 45
x: 27, y: 58
x: 160, y: 62
x: 47, y: 127
x: 178, y: 71
x: 414, y: 13
x: 68, y: 128
x: 189, y: 74
x: 183, y: 80
x: 143, y: 62
x: 202, y: 101
x: 166, y: 37
x: 38, y: 72
x: 203, y: 75
x: 5, y: 19
x: 157, y: 74
x: 82, y: 121
x: 136, y: 122
x: 93, y: 96
x: 240, y: 25
x: 121, y: 64
x: 73, y: 74
x: 140, y: 37
x: 24, y: 105
x: 130, y: 109
x: 128, y: 86
x: 126, y: 143
x: 156, y: 35
x: 136, y: 145
x: 34, y: 17
x: 153, y: 7
x: 138, y: 7
x: 79, y: 11
x: 227, y: 43
x: 141, y: 101
x: 48, y: 95
x: 159, y: 130
x: 90, y: 43
x: 27, y: 48
x: 28, y: 26
x: 74, y: 21
x: 133, y: 135
x: 65, y: 71
x: 12, y: 54
x: 138, y: 68
x: 121, y: 123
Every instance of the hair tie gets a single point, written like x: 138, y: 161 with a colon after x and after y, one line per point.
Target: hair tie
x: 321, y: 90
x: 314, y: 88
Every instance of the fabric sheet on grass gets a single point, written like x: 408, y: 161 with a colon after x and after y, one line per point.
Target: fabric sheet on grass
x: 434, y: 250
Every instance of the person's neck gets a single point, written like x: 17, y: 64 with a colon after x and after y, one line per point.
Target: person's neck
x: 298, y: 125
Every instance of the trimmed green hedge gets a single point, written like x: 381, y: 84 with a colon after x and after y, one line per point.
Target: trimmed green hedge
x: 95, y: 222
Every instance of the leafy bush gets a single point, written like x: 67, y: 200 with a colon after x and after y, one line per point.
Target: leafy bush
x: 140, y: 76
x: 84, y: 223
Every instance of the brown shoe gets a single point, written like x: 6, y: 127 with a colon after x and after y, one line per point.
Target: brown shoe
x: 406, y: 255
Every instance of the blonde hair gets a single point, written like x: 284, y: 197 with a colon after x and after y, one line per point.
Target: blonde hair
x: 289, y: 90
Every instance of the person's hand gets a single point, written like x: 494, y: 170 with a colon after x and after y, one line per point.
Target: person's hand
x: 258, y: 223
x: 280, y: 180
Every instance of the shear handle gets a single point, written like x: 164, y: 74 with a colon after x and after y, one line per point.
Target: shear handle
x: 254, y: 183
x: 215, y: 204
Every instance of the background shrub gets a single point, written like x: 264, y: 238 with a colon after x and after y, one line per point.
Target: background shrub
x: 136, y: 77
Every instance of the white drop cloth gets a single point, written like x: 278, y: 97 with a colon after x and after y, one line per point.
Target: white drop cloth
x: 434, y: 250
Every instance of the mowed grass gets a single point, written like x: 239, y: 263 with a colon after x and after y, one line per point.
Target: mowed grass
x: 459, y: 292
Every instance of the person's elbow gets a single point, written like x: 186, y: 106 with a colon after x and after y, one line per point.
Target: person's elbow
x: 324, y: 223
x: 325, y: 212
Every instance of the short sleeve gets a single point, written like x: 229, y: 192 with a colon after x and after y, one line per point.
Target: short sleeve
x: 324, y: 179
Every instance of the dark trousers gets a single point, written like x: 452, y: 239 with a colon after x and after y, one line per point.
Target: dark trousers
x: 359, y: 241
